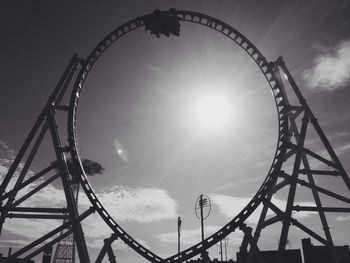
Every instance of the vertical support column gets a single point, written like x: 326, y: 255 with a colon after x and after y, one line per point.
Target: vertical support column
x: 66, y: 182
x: 107, y: 248
x: 254, y: 252
x: 292, y: 190
x: 110, y: 253
x: 47, y: 254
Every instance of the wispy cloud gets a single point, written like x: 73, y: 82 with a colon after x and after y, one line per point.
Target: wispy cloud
x: 117, y: 244
x: 142, y: 205
x: 191, y: 237
x: 13, y: 243
x: 230, y: 206
x: 342, y: 218
x: 341, y: 149
x: 331, y: 68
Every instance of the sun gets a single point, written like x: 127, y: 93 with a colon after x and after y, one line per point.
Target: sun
x: 213, y: 112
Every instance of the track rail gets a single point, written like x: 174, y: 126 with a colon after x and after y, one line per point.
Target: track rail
x: 281, y: 147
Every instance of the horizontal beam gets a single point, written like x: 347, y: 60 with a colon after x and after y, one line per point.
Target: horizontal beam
x: 325, y: 209
x: 317, y: 188
x: 37, y: 210
x: 38, y: 216
x: 319, y: 172
x: 271, y: 221
x: 318, y: 157
x: 50, y: 234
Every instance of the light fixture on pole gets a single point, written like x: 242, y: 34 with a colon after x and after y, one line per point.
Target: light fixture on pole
x: 202, y: 202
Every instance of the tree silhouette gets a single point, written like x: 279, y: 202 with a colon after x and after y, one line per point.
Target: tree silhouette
x: 91, y: 168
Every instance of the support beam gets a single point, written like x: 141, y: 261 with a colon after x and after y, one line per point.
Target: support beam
x: 26, y: 183
x: 254, y: 249
x: 35, y: 190
x: 38, y: 210
x: 71, y: 205
x: 37, y: 216
x: 107, y: 249
x: 320, y: 189
x: 292, y: 190
x: 319, y: 172
x: 271, y: 221
x: 325, y: 209
x: 49, y: 235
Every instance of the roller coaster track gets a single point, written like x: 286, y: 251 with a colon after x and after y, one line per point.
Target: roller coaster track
x: 265, y: 67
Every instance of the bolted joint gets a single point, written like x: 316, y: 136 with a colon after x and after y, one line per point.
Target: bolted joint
x: 286, y: 222
x: 305, y: 119
x: 280, y: 60
x: 81, y: 61
x: 61, y: 107
x: 65, y: 149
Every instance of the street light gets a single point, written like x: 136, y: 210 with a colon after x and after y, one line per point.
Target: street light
x: 202, y: 202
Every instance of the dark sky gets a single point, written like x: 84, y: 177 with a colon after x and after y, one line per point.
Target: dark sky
x: 135, y: 115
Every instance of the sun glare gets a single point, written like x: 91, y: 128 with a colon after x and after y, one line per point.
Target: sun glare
x: 213, y: 112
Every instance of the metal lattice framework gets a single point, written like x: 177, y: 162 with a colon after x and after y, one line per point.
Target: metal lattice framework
x: 290, y: 144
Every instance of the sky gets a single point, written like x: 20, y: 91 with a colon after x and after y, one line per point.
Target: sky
x: 137, y: 115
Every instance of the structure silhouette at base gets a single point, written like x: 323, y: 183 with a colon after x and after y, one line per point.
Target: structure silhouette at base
x: 320, y: 254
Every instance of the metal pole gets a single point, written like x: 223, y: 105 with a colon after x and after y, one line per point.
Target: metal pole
x: 225, y: 250
x: 221, y: 257
x: 202, y: 223
x: 202, y: 220
x: 178, y: 233
x: 71, y: 205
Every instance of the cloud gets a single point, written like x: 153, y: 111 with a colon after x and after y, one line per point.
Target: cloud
x: 116, y: 244
x: 192, y: 237
x: 143, y: 205
x: 342, y: 218
x: 30, y: 228
x: 331, y: 69
x: 230, y: 206
x: 341, y: 149
x: 13, y: 243
x: 188, y: 237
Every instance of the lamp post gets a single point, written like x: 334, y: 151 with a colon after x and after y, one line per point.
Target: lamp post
x: 202, y: 202
x: 179, y: 222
